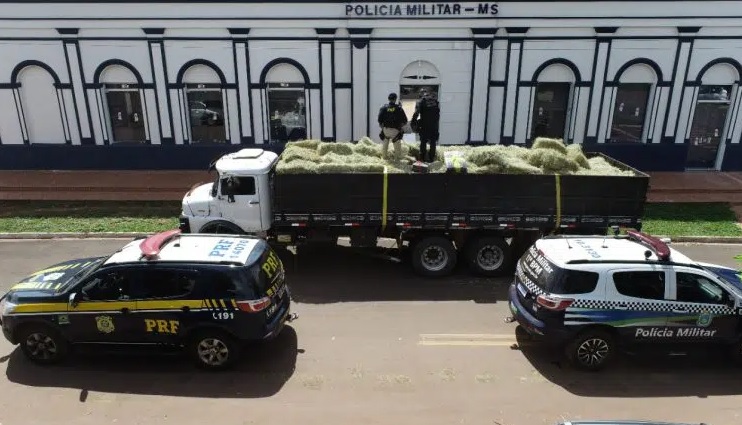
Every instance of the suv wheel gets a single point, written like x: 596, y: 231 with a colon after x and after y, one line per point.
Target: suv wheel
x: 591, y: 350
x: 42, y: 344
x: 213, y: 350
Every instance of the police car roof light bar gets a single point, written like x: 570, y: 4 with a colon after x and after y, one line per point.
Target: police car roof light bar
x: 661, y: 250
x: 151, y: 246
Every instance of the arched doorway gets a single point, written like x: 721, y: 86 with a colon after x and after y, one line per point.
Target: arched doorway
x: 554, y: 82
x: 286, y: 102
x: 417, y: 76
x: 203, y: 85
x: 40, y: 106
x: 634, y: 100
x: 123, y: 94
x: 717, y: 83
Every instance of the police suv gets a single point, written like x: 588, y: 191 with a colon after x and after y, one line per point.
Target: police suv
x: 203, y: 293
x: 594, y: 295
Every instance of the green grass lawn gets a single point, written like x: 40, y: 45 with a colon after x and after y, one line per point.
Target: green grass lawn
x: 671, y: 219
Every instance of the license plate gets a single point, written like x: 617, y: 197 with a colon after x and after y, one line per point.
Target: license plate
x: 522, y: 290
x: 281, y: 292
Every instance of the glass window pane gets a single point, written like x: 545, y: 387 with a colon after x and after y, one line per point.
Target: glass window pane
x: 206, y: 108
x: 719, y: 93
x: 125, y: 115
x: 647, y: 285
x: 550, y: 110
x: 629, y: 112
x: 288, y: 113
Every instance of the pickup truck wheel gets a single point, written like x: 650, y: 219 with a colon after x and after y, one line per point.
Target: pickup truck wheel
x: 221, y: 227
x: 591, y: 350
x: 489, y: 256
x: 42, y: 344
x: 434, y: 256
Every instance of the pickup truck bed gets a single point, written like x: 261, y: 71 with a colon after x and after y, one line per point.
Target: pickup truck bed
x: 461, y: 200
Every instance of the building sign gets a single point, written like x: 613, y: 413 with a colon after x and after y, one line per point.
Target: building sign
x: 421, y: 9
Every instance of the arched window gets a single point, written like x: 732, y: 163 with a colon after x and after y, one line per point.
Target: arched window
x: 286, y: 101
x: 554, y: 82
x: 636, y: 83
x: 717, y: 83
x: 205, y: 95
x: 40, y: 105
x: 417, y: 76
x: 121, y: 86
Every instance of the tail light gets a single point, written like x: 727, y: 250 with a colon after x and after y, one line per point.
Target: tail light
x: 556, y: 304
x: 254, y: 306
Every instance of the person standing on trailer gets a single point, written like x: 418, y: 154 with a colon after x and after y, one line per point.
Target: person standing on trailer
x: 391, y: 120
x: 426, y: 120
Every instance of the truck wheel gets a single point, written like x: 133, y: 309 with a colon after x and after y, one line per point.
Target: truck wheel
x: 221, y: 227
x: 591, y: 350
x: 489, y: 256
x: 434, y: 256
x: 43, y: 345
x: 213, y: 349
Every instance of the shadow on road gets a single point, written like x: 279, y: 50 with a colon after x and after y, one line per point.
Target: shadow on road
x: 339, y: 274
x: 633, y: 376
x: 263, y: 371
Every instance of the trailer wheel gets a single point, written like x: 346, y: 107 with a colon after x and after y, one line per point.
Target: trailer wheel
x: 489, y: 256
x: 434, y: 256
x: 221, y: 227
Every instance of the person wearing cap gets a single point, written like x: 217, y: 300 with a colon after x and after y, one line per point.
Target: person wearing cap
x: 426, y: 120
x: 392, y: 119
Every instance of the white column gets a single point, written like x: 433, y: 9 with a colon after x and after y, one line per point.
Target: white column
x: 80, y: 97
x: 481, y: 69
x: 243, y: 85
x: 360, y: 56
x: 673, y: 111
x: 596, y: 97
x: 162, y: 97
x: 515, y: 52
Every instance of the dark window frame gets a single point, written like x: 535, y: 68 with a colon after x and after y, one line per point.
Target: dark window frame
x: 725, y: 294
x: 253, y: 185
x: 191, y: 88
x: 277, y: 128
x: 615, y: 117
x: 567, y: 108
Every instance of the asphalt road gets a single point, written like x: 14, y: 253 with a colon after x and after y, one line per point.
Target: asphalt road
x: 374, y: 345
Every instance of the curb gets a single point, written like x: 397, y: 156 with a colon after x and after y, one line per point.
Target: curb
x: 132, y: 235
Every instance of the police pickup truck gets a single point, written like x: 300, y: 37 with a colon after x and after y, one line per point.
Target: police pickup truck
x: 202, y: 293
x: 591, y: 295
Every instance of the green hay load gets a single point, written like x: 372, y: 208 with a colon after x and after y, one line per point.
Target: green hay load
x: 547, y: 156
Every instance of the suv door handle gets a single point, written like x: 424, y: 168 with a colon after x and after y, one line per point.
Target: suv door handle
x: 622, y: 307
x: 185, y: 309
x: 125, y: 310
x: 254, y: 202
x: 678, y: 310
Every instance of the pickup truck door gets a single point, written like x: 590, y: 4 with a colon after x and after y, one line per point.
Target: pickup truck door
x: 239, y: 202
x: 702, y: 308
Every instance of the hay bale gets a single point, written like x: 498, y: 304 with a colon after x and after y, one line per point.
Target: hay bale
x: 552, y: 162
x: 294, y: 153
x: 600, y: 167
x: 574, y: 152
x: 298, y: 166
x: 365, y: 140
x: 309, y: 144
x: 487, y: 156
x: 553, y: 144
x: 340, y: 148
x: 365, y: 149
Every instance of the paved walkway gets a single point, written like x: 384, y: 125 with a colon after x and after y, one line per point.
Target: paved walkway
x: 171, y: 185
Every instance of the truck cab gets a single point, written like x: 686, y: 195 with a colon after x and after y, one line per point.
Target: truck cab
x: 239, y: 199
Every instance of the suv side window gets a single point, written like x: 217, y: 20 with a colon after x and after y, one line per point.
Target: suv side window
x: 238, y: 186
x: 111, y: 285
x: 164, y: 283
x: 217, y: 284
x: 641, y: 284
x: 577, y: 282
x: 694, y: 288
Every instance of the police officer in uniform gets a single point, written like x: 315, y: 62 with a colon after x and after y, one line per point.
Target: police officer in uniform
x: 391, y: 120
x: 426, y: 120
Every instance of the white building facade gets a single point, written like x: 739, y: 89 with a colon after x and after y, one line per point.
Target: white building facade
x: 172, y: 85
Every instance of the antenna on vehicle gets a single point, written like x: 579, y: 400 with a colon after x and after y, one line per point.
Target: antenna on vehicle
x: 568, y: 245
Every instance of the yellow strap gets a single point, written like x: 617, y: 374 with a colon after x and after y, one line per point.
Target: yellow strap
x: 384, y: 199
x: 558, y: 220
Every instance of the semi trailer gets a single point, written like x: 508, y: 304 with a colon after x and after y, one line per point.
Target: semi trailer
x: 438, y: 219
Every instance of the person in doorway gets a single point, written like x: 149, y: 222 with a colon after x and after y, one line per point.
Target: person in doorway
x: 392, y: 119
x: 426, y: 120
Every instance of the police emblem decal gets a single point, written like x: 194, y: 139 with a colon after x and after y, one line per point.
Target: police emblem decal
x: 105, y: 324
x: 704, y: 319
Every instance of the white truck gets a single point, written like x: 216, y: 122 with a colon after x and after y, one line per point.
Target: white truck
x: 440, y: 217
